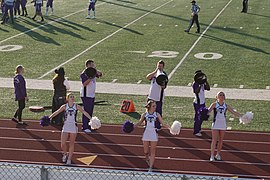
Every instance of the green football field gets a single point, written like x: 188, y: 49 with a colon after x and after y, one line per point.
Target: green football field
x: 126, y: 40
x: 128, y: 37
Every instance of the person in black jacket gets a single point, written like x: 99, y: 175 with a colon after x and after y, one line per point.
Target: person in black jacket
x: 60, y: 85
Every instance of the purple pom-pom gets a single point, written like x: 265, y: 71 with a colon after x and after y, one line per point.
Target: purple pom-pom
x: 44, y: 121
x: 128, y: 126
x: 204, y: 114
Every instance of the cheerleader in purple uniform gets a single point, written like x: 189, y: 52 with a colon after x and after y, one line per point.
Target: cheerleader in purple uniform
x: 219, y: 124
x: 70, y: 129
x: 150, y: 136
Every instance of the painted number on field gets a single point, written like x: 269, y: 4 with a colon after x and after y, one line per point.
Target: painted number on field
x: 164, y: 54
x: 208, y: 55
x: 8, y: 48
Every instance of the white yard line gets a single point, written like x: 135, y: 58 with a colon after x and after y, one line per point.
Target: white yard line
x: 100, y: 41
x: 196, y: 42
x: 51, y: 22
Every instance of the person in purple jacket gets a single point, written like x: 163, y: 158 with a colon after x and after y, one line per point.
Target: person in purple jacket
x: 20, y: 93
x: 199, y: 85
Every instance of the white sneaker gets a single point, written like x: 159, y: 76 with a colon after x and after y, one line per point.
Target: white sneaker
x: 212, y: 159
x: 198, y: 134
x: 87, y: 130
x: 218, y: 157
x: 88, y: 17
x: 64, y: 158
x: 68, y: 162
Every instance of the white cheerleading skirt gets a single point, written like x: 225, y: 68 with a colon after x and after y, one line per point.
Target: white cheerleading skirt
x: 70, y: 128
x: 219, y: 124
x: 150, y: 134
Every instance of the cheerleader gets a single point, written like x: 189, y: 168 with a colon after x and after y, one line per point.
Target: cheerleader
x: 150, y: 136
x: 219, y: 124
x: 70, y: 128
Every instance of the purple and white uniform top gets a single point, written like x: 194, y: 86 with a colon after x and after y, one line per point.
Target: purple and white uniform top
x: 219, y: 121
x: 88, y: 90
x: 201, y: 95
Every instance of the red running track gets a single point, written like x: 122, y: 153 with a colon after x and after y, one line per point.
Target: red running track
x: 244, y: 154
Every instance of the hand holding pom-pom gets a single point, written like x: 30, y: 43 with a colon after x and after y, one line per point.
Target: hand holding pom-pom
x: 95, y: 123
x: 204, y: 114
x: 175, y: 128
x: 246, y: 118
x: 45, y: 121
x: 128, y: 126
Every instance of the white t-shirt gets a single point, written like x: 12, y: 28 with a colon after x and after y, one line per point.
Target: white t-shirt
x: 155, y: 89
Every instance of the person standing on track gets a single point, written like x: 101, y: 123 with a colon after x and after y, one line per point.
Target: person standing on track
x: 195, y: 9
x: 156, y: 92
x: 87, y: 94
x: 92, y: 6
x: 70, y: 128
x: 150, y: 136
x: 219, y: 124
x: 245, y: 6
x: 60, y: 85
x: 199, y: 88
x: 20, y: 93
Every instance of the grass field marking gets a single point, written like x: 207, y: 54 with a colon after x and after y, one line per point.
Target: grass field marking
x: 215, y: 85
x: 189, y: 84
x: 195, y: 43
x: 241, y: 86
x: 267, y: 87
x: 8, y: 48
x: 114, y: 80
x: 107, y: 37
x: 43, y: 25
x: 139, y: 82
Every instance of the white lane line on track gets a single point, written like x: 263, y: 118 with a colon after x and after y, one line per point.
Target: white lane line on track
x: 139, y: 136
x: 134, y: 156
x: 182, y: 129
x: 196, y: 42
x: 134, y: 145
x: 138, y: 169
x: 107, y: 37
x: 43, y: 25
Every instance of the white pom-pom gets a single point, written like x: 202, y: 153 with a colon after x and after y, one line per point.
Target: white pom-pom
x: 175, y: 128
x: 246, y: 118
x: 95, y: 123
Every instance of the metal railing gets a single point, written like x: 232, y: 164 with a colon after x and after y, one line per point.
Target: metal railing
x: 14, y: 171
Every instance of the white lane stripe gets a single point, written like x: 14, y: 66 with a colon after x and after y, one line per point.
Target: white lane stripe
x: 100, y: 41
x: 182, y: 129
x: 135, y: 156
x: 135, y: 145
x: 139, y: 136
x: 195, y: 43
x: 51, y: 22
x: 192, y: 174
